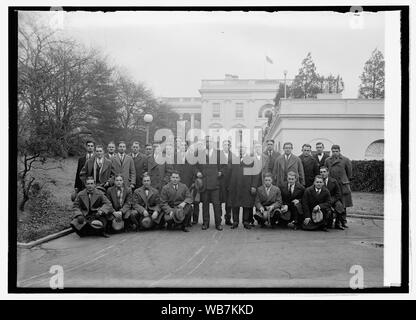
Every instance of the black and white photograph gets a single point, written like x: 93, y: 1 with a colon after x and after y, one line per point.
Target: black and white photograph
x: 208, y: 150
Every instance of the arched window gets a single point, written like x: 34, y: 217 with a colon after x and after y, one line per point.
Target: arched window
x: 265, y: 110
x: 375, y: 151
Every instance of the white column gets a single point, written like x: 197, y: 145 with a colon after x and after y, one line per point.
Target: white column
x: 192, y: 120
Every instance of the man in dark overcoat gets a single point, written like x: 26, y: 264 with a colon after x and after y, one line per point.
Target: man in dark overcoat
x: 310, y: 165
x: 340, y: 168
x: 98, y: 167
x: 140, y: 163
x: 79, y: 185
x: 316, y: 203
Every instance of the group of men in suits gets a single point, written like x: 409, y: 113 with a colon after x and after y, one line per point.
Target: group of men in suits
x: 164, y: 187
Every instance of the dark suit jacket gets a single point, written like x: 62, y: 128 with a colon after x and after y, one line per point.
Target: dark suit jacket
x: 157, y: 172
x: 185, y: 169
x: 273, y: 199
x: 98, y: 202
x: 127, y: 199
x: 280, y: 171
x: 322, y: 162
x: 78, y: 182
x: 334, y: 190
x: 210, y: 170
x: 310, y: 169
x: 170, y: 197
x: 287, y: 197
x: 311, y: 199
x: 140, y: 165
x: 341, y: 170
x: 88, y: 170
x: 269, y: 161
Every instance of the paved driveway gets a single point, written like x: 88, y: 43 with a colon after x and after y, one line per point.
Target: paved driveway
x: 231, y: 258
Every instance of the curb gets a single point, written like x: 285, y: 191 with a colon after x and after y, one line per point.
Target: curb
x: 364, y: 216
x: 50, y: 237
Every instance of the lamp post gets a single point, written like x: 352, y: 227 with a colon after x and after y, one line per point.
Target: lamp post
x: 148, y: 118
x: 285, y: 73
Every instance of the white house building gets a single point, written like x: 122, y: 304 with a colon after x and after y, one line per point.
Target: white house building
x: 357, y: 125
x: 229, y: 105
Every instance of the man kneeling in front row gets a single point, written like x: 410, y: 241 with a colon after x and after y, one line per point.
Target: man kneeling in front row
x: 121, y: 199
x: 146, y: 201
x: 316, y: 203
x: 92, y: 211
x: 268, y: 203
x: 176, y: 203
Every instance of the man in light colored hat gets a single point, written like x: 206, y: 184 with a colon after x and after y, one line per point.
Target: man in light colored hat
x: 268, y: 202
x: 146, y: 201
x: 121, y: 199
x: 316, y: 204
x: 176, y: 195
x: 92, y: 211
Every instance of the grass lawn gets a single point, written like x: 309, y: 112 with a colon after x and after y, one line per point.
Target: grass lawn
x: 51, y: 210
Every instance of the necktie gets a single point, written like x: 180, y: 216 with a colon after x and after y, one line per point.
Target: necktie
x: 267, y: 191
x: 89, y: 201
x: 120, y: 196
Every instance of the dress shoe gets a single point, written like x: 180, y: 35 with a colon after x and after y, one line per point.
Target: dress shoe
x: 104, y: 235
x: 228, y: 223
x: 204, y: 227
x: 219, y: 228
x: 339, y: 227
x: 184, y: 229
x: 247, y: 226
x: 194, y: 222
x: 324, y: 229
x: 344, y: 225
x: 234, y: 226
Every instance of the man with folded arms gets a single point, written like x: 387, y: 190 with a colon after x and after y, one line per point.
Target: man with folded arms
x: 121, y: 200
x: 268, y: 202
x: 316, y: 204
x: 176, y: 202
x: 146, y: 201
x: 92, y: 211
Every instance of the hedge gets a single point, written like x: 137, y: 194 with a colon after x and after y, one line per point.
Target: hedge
x: 367, y: 176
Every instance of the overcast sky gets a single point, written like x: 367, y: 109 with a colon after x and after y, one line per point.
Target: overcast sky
x: 171, y: 52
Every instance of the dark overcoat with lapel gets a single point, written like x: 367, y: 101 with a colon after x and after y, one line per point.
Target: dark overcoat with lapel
x: 185, y: 169
x: 140, y: 165
x: 334, y: 190
x: 127, y: 199
x: 157, y: 172
x: 287, y: 197
x: 241, y: 182
x: 274, y: 198
x: 269, y: 161
x: 323, y: 159
x: 170, y: 198
x: 310, y: 169
x: 210, y: 170
x: 280, y: 169
x: 226, y: 165
x: 341, y: 170
x: 78, y: 182
x: 89, y: 167
x: 311, y: 199
x: 125, y: 168
x: 150, y: 203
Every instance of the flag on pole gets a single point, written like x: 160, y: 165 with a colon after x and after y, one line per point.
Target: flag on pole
x: 269, y: 60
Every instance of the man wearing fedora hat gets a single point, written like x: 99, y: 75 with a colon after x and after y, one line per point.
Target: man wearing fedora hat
x: 146, y: 201
x: 316, y: 204
x: 92, y: 211
x: 268, y: 202
x: 176, y: 203
x: 121, y: 200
